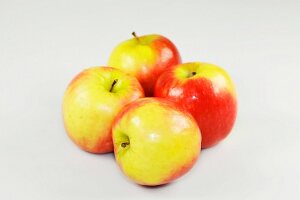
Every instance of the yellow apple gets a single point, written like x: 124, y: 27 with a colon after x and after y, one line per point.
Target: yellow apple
x: 155, y: 141
x: 92, y: 101
x: 145, y: 57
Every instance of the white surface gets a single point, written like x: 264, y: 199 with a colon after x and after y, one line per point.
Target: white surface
x: 43, y: 44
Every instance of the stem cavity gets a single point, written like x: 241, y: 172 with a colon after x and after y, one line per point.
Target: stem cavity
x: 124, y: 144
x: 191, y: 74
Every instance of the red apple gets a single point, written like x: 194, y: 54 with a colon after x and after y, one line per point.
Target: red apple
x: 145, y: 57
x: 207, y: 92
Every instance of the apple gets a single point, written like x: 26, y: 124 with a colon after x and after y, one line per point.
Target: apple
x: 145, y: 57
x: 92, y: 101
x: 207, y: 92
x: 155, y: 141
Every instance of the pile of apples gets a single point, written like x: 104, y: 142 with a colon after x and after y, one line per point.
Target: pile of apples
x: 154, y: 112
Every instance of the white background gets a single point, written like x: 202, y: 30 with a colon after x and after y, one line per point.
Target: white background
x: 43, y: 44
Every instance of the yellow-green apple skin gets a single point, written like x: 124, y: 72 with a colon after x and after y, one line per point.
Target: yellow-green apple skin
x: 207, y: 92
x: 92, y: 101
x: 155, y: 141
x: 145, y: 57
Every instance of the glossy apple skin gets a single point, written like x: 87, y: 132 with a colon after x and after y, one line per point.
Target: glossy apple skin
x: 89, y: 107
x: 145, y: 57
x: 164, y: 141
x: 209, y: 96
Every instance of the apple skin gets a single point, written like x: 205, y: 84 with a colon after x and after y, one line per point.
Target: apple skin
x: 208, y: 94
x: 145, y: 57
x: 155, y: 141
x: 89, y: 107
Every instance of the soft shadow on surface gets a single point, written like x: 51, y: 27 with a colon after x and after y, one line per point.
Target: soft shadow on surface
x: 156, y: 187
x: 215, y: 147
x: 106, y: 155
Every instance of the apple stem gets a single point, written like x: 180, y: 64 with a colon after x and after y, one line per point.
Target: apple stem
x: 134, y: 35
x: 124, y: 144
x: 113, y: 84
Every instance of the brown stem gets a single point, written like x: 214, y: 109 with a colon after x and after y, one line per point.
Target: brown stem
x: 134, y: 35
x: 113, y: 84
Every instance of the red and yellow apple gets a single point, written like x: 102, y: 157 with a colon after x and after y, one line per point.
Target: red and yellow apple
x: 207, y: 92
x: 155, y: 141
x: 92, y: 101
x: 145, y: 57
